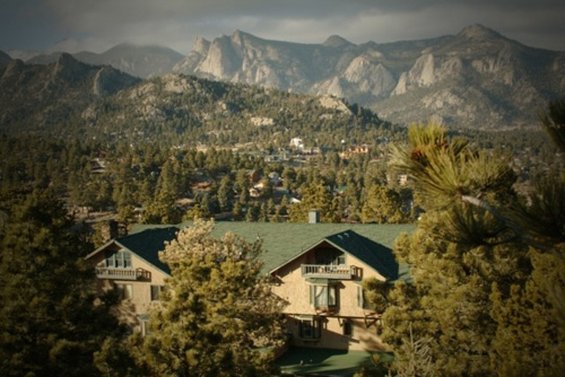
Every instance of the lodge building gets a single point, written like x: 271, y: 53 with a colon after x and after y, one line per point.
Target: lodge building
x: 318, y: 269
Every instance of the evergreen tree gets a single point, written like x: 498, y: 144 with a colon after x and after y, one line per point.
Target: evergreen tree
x: 487, y: 271
x: 237, y: 211
x: 382, y: 206
x: 225, y: 194
x: 530, y: 335
x: 314, y: 196
x: 197, y: 212
x: 218, y: 317
x: 252, y: 214
x: 51, y: 323
x: 264, y: 213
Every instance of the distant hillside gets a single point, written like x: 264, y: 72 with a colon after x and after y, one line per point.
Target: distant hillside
x: 70, y: 98
x: 140, y: 61
x: 477, y: 78
x: 37, y: 97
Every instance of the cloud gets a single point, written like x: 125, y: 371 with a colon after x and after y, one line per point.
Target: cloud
x: 99, y: 24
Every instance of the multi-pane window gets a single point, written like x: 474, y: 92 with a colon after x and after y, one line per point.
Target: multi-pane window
x: 119, y: 259
x: 323, y: 296
x: 309, y: 329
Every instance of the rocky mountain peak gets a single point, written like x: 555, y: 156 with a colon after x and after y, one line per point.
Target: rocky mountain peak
x: 67, y: 59
x: 201, y: 45
x: 478, y: 32
x: 222, y: 60
x: 108, y: 80
x: 125, y: 46
x: 239, y: 38
x: 336, y: 41
x: 238, y: 34
x: 67, y: 67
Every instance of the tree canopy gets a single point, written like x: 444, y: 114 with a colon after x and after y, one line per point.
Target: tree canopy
x: 51, y: 320
x: 487, y: 264
x: 218, y: 316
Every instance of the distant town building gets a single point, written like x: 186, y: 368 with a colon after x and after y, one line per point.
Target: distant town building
x: 297, y: 143
x: 354, y: 150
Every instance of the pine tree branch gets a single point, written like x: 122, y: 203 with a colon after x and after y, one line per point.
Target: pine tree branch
x: 520, y: 232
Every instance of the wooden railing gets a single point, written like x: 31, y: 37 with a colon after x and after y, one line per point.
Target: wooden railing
x: 328, y: 271
x: 122, y: 273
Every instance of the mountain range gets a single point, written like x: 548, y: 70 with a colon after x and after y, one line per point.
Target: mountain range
x: 140, y: 61
x: 477, y: 78
x: 72, y: 99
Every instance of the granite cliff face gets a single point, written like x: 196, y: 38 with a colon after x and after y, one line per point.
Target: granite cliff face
x: 477, y: 78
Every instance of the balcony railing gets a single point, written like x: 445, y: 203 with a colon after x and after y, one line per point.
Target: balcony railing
x: 122, y: 273
x: 328, y: 271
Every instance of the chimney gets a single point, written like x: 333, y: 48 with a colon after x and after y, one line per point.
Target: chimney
x: 109, y: 230
x: 314, y: 216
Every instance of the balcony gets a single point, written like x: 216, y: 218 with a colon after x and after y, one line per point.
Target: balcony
x: 329, y: 271
x: 122, y: 273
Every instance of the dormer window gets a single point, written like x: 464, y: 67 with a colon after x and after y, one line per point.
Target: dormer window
x: 119, y: 259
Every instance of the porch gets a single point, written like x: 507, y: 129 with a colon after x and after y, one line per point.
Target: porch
x: 329, y: 271
x: 122, y: 273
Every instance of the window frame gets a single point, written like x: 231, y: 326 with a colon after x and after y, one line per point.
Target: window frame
x: 323, y: 295
x: 309, y: 329
x: 155, y: 292
x: 361, y: 297
x: 119, y: 259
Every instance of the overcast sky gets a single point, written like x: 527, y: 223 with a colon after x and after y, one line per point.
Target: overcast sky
x: 96, y: 25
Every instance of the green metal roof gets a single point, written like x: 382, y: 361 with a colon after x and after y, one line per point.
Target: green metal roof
x: 372, y: 253
x: 284, y: 241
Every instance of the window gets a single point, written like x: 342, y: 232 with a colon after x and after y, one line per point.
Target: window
x: 323, y: 296
x: 119, y: 259
x: 309, y: 328
x: 125, y: 291
x: 156, y: 292
x: 329, y: 256
x: 144, y: 324
x: 360, y: 297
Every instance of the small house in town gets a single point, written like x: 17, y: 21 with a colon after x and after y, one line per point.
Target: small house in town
x: 318, y: 269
